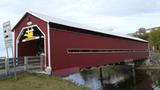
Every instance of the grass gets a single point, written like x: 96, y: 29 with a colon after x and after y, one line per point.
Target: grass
x: 37, y: 82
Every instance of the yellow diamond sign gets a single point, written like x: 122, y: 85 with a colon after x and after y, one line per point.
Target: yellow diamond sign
x: 29, y: 34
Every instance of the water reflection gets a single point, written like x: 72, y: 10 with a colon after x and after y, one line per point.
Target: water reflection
x: 118, y: 78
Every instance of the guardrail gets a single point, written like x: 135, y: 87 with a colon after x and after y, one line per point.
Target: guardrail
x: 12, y: 66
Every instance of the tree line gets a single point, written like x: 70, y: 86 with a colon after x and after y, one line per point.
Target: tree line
x: 151, y: 35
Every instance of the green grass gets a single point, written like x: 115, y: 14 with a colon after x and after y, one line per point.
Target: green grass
x: 37, y: 82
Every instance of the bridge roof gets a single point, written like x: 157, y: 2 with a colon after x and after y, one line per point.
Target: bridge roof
x: 51, y: 19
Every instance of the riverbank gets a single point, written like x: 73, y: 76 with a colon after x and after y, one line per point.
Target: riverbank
x: 37, y: 82
x: 149, y: 67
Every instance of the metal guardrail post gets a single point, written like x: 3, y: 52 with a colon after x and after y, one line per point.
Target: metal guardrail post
x: 25, y: 63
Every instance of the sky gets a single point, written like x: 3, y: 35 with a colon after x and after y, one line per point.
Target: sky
x: 120, y: 16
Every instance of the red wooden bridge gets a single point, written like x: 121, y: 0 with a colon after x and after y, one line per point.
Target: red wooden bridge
x: 68, y: 46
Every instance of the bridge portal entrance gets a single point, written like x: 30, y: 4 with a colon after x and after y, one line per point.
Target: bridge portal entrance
x: 30, y: 42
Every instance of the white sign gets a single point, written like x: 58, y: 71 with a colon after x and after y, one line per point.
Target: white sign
x: 7, y: 34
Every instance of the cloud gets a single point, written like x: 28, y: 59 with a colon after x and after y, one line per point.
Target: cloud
x: 123, y: 16
x: 126, y: 7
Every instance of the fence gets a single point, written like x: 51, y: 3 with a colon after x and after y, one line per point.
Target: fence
x: 12, y: 66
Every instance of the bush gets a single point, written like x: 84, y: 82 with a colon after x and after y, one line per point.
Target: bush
x: 154, y: 57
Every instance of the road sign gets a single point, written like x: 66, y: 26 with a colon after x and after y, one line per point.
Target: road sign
x: 7, y: 34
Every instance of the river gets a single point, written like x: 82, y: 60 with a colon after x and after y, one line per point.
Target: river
x: 117, y: 78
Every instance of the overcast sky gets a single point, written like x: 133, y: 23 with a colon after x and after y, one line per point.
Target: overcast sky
x: 122, y: 16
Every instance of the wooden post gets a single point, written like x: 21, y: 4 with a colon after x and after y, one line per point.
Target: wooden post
x: 25, y: 63
x: 14, y: 66
x: 41, y: 62
x: 6, y: 67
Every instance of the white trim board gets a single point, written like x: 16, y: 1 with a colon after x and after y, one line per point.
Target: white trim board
x: 49, y: 50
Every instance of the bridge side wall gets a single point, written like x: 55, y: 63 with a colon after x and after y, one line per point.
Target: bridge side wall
x: 62, y: 40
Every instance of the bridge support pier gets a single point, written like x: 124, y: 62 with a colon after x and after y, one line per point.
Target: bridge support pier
x: 101, y: 76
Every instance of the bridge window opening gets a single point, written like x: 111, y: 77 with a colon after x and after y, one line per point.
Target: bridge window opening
x: 87, y: 51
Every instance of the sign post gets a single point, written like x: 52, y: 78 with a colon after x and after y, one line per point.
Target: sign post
x: 7, y: 33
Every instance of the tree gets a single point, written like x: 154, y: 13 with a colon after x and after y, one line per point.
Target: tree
x: 142, y: 30
x: 154, y: 39
x: 141, y: 33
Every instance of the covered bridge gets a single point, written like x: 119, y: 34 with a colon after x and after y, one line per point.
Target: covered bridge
x: 68, y: 46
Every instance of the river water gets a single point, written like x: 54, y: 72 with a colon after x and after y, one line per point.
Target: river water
x: 117, y: 78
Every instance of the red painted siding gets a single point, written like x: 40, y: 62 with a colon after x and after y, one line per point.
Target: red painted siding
x: 35, y: 21
x: 62, y: 40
